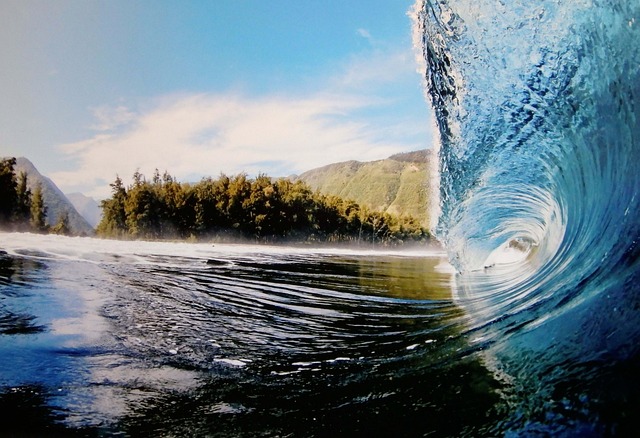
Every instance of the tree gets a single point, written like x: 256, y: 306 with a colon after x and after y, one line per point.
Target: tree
x: 297, y: 204
x: 38, y: 211
x: 260, y: 208
x: 156, y: 178
x: 114, y: 218
x: 238, y: 191
x: 211, y: 205
x: 138, y: 178
x: 144, y: 211
x: 62, y: 227
x: 174, y: 199
x: 8, y: 195
x: 22, y: 212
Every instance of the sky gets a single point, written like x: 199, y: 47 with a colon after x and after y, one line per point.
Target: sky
x: 94, y: 89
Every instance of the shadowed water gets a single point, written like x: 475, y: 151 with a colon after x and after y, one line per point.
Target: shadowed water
x: 166, y: 339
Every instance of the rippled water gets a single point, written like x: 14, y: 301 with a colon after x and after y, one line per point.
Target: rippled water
x: 168, y: 339
x: 173, y: 339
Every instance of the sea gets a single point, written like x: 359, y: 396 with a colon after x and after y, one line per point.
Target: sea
x: 525, y: 322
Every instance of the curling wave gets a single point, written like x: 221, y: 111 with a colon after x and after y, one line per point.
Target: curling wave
x: 536, y: 107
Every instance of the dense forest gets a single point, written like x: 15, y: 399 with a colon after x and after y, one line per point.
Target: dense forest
x: 21, y: 209
x: 241, y: 208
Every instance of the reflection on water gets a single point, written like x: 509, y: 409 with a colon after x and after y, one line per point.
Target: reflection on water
x: 425, y: 278
x: 236, y: 340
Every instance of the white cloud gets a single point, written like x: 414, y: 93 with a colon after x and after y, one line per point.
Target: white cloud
x: 375, y: 70
x: 197, y: 135
x: 364, y: 33
x: 108, y: 118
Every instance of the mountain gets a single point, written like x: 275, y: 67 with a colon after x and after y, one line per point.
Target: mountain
x: 396, y: 185
x: 55, y: 201
x: 87, y: 207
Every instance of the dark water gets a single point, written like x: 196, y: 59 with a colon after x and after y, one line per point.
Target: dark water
x: 101, y: 338
x: 190, y: 340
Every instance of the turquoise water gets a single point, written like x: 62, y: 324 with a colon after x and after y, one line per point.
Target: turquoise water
x: 536, y: 105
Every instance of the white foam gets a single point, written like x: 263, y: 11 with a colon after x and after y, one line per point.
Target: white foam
x: 97, y: 250
x: 506, y: 254
x: 232, y: 362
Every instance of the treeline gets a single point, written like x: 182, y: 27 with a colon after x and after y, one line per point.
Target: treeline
x: 20, y: 209
x: 239, y: 207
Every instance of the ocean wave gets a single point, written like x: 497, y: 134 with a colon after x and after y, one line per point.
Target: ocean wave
x: 536, y: 106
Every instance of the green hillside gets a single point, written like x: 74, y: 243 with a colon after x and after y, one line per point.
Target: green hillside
x: 397, y: 185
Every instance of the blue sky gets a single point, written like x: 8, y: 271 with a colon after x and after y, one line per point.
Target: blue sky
x: 91, y: 89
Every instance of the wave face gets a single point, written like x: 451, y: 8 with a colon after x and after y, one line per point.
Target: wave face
x: 536, y: 106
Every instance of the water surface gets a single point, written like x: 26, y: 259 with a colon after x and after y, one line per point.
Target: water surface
x: 172, y: 339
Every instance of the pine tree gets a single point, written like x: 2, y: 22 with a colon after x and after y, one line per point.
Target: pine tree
x: 239, y: 206
x: 23, y: 207
x: 62, y: 227
x: 38, y: 211
x: 113, y: 223
x: 8, y: 184
x: 144, y: 211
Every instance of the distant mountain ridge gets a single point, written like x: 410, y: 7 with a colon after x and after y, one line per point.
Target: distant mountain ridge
x: 87, y: 207
x: 55, y: 201
x: 399, y: 184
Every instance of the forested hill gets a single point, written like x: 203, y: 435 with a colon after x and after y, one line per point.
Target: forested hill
x: 54, y: 200
x: 397, y: 185
x: 259, y: 209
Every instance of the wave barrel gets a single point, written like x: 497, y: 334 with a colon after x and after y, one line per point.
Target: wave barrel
x: 538, y: 114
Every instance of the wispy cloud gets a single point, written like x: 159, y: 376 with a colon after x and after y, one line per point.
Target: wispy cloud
x: 373, y: 72
x: 198, y: 135
x: 108, y: 118
x: 364, y: 33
